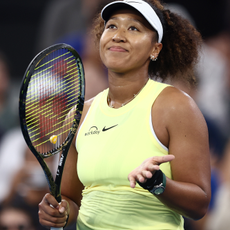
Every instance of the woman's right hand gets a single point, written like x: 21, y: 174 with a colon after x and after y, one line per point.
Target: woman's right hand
x: 51, y: 213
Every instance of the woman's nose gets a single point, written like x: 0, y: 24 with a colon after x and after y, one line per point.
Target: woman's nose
x: 119, y: 36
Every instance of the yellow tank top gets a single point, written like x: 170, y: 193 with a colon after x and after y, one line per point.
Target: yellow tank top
x: 110, y: 144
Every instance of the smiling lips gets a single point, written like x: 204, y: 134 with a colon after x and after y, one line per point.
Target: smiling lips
x: 117, y: 49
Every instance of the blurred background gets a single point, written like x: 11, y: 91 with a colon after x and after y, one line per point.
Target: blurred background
x: 20, y: 22
x: 27, y: 27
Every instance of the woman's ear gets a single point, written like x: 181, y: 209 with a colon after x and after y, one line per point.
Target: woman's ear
x: 156, y: 50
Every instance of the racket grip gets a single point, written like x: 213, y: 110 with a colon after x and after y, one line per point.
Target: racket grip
x: 52, y: 228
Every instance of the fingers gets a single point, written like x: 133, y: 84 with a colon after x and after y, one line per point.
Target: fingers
x: 52, y: 214
x: 132, y: 181
x: 147, y: 169
x: 141, y: 177
x: 152, y: 167
x: 163, y: 159
x: 64, y: 207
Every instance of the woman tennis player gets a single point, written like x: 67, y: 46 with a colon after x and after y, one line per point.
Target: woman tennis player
x: 141, y: 158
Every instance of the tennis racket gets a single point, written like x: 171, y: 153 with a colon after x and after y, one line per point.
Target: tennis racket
x: 50, y: 106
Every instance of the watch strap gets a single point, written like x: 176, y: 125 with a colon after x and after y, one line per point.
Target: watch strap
x: 157, y: 179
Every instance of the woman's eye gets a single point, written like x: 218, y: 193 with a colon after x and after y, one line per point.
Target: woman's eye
x: 111, y: 26
x: 133, y: 28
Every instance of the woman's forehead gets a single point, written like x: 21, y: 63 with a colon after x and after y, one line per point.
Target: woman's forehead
x: 130, y: 13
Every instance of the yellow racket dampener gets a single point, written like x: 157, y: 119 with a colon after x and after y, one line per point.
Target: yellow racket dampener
x: 53, y: 139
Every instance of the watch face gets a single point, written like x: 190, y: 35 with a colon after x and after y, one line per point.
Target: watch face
x: 159, y: 190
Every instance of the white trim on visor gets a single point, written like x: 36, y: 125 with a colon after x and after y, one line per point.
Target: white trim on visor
x: 144, y: 8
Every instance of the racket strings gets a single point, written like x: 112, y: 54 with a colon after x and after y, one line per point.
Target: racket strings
x: 41, y: 75
x: 52, y: 92
x: 44, y: 142
x: 47, y: 110
x: 30, y: 109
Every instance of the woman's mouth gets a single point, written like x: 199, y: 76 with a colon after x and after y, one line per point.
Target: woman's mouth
x: 117, y: 49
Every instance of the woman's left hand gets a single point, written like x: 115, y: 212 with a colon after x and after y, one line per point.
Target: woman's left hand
x: 147, y: 169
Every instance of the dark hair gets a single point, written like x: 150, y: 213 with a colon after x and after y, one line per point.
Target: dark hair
x: 181, y: 43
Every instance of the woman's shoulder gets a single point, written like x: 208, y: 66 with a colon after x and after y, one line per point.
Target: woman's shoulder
x: 89, y: 102
x: 174, y: 105
x: 87, y: 105
x: 175, y: 112
x: 174, y: 98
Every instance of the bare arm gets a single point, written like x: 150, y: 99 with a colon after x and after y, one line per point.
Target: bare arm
x: 189, y: 191
x: 180, y: 126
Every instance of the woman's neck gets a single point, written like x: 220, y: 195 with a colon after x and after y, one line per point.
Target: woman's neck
x: 123, y: 89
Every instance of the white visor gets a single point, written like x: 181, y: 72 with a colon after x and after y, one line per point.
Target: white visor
x: 143, y: 7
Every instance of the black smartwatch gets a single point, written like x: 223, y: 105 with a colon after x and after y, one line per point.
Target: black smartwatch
x: 156, y: 184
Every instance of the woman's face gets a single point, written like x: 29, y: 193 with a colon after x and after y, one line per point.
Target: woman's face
x: 127, y: 42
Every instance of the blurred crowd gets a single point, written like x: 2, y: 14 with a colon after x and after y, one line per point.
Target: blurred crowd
x: 22, y: 182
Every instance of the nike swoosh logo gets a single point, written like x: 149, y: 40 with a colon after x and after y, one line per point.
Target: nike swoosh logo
x: 105, y: 129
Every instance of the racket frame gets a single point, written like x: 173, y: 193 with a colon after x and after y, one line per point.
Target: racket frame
x: 54, y: 185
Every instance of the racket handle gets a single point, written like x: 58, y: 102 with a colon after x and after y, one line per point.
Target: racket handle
x: 53, y: 228
x: 56, y: 228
